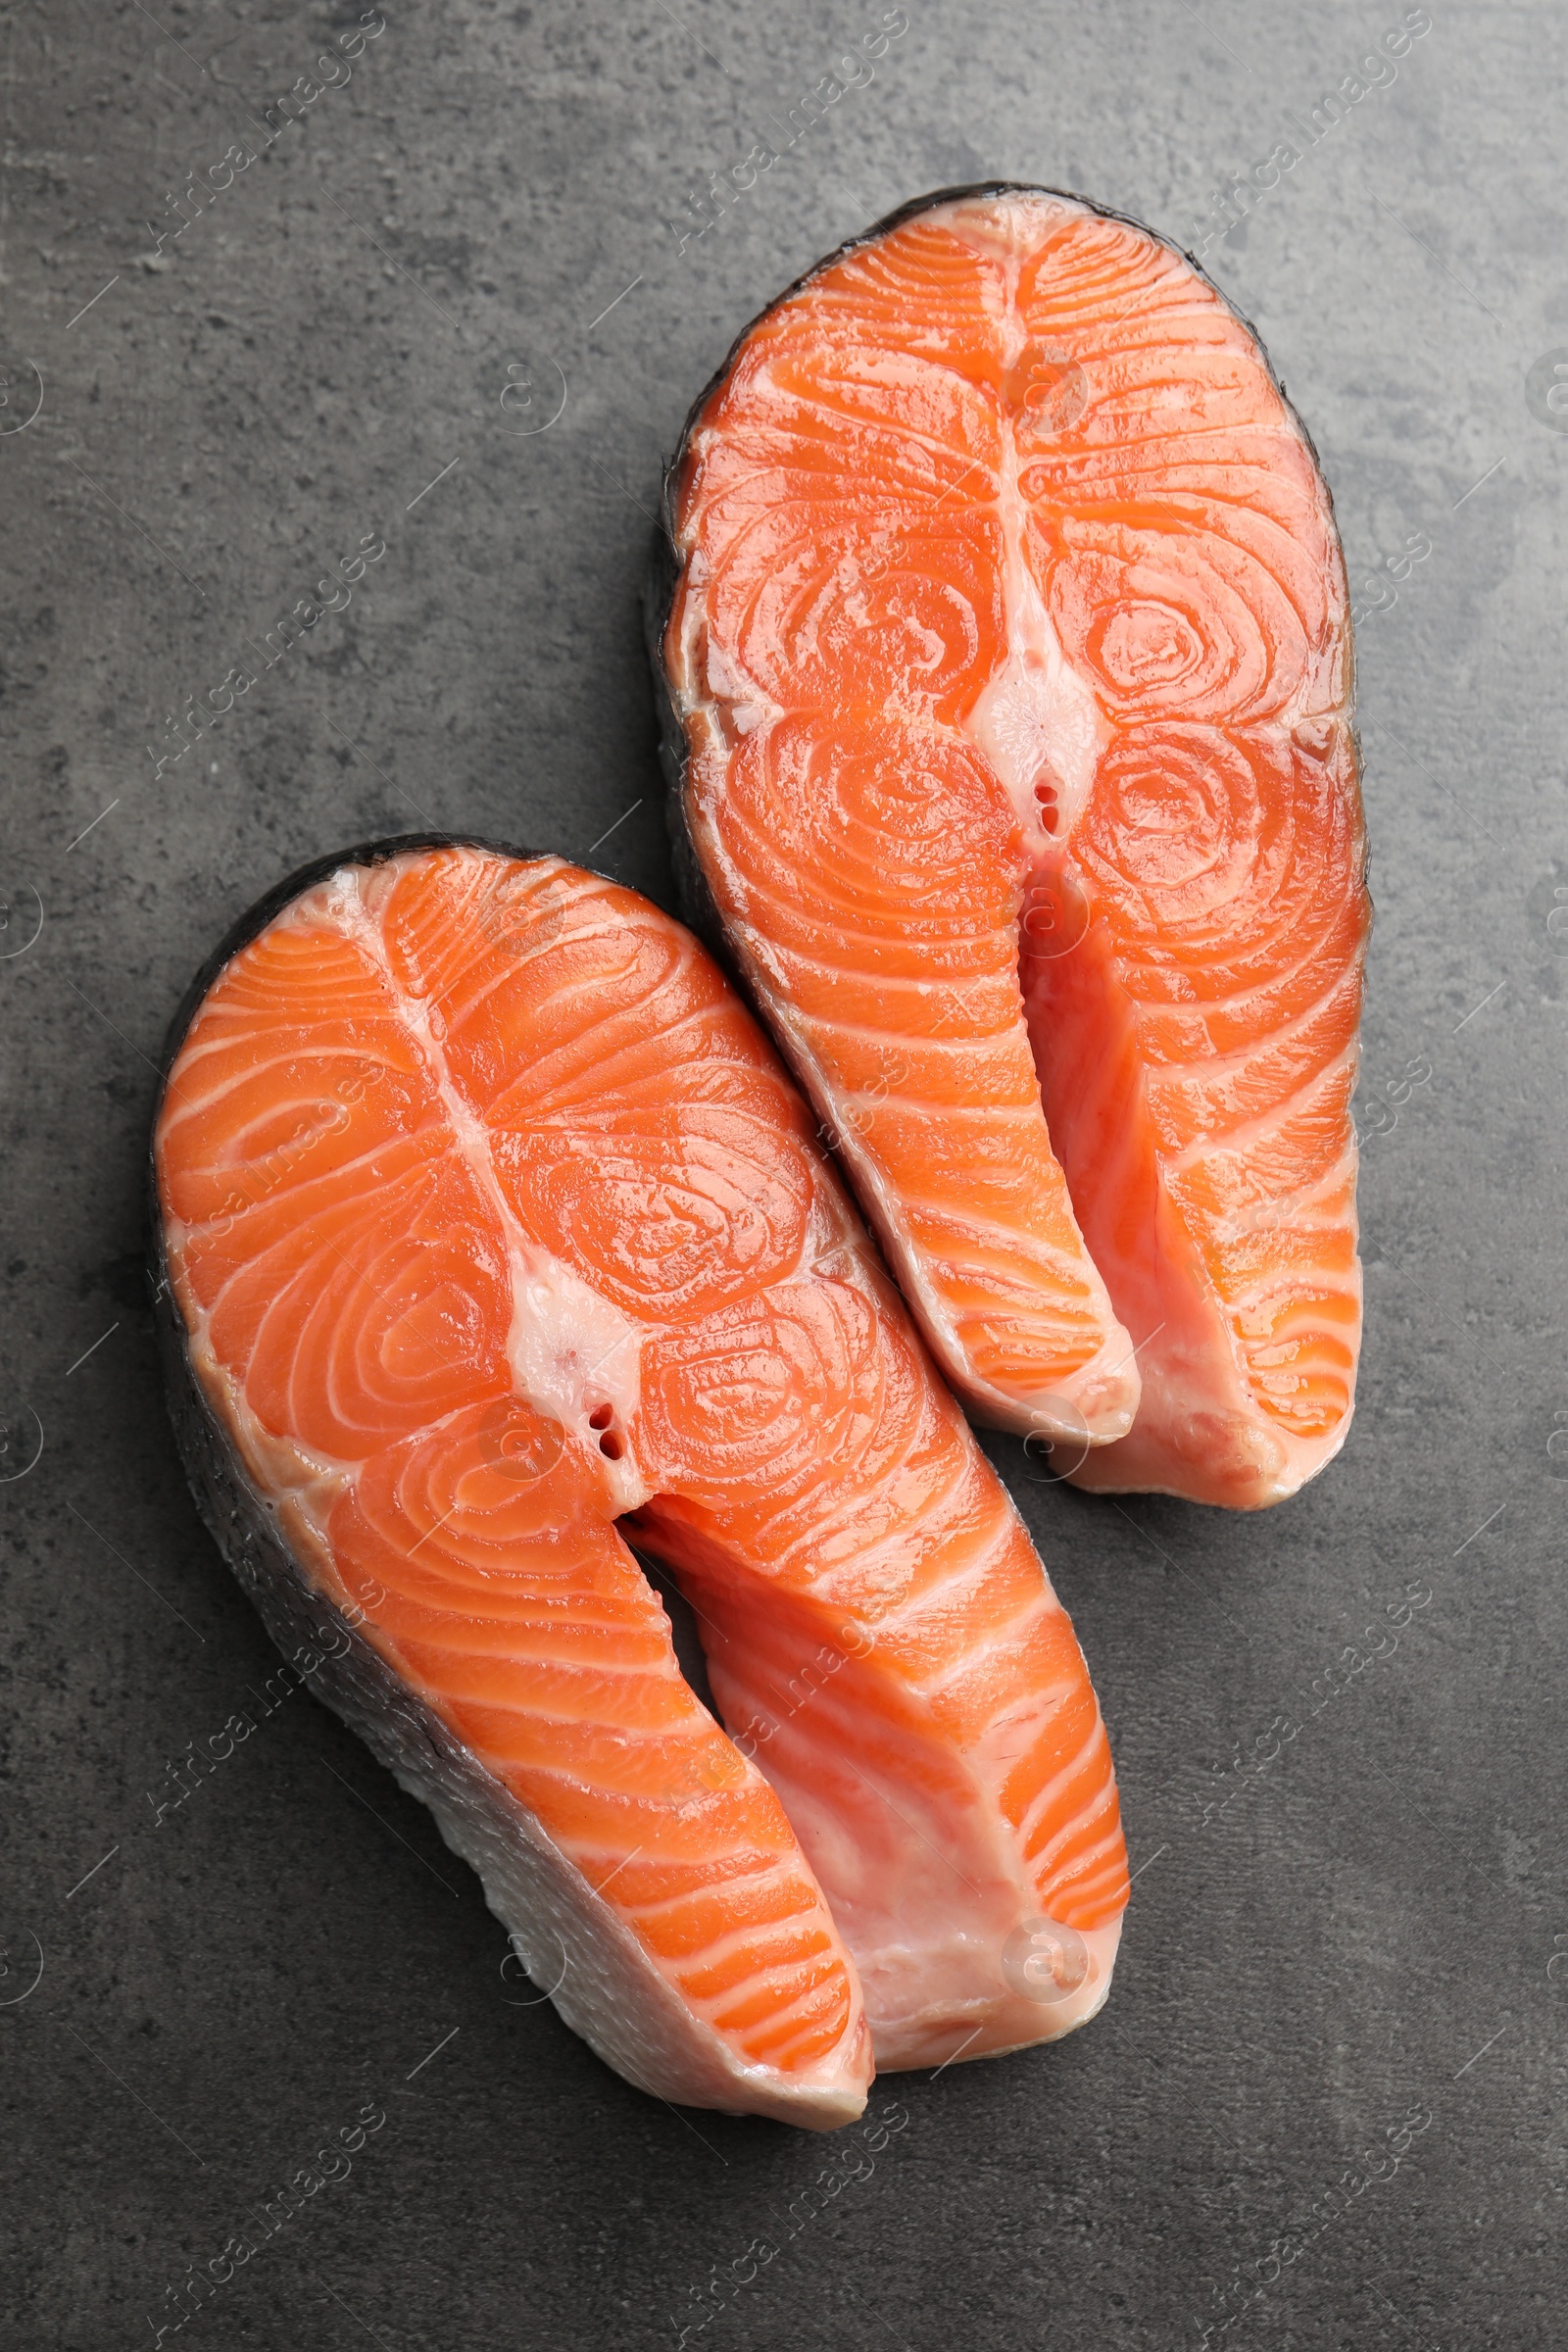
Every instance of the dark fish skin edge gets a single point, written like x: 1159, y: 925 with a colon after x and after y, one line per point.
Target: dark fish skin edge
x: 356, y: 1683
x: 474, y: 1816
x: 602, y: 1990
x: 254, y: 922
x: 696, y: 904
x: 237, y: 1517
x: 250, y: 925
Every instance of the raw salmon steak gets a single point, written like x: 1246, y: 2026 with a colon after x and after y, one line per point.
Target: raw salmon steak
x: 492, y: 1233
x: 1003, y: 626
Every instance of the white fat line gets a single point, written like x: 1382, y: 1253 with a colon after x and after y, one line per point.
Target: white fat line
x: 1242, y: 1137
x: 539, y: 1282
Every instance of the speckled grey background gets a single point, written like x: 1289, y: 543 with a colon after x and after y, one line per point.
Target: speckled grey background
x: 1325, y: 2106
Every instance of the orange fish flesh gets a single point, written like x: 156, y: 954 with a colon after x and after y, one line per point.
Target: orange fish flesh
x: 1006, y: 645
x: 493, y: 1233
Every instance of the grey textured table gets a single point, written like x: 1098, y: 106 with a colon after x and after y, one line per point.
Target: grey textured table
x: 1325, y: 2105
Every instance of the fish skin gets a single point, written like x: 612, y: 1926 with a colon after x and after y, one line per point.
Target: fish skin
x: 629, y: 2009
x: 1235, y: 1407
x: 568, y: 1941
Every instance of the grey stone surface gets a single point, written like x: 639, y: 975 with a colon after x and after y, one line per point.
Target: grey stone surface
x: 1370, y: 1928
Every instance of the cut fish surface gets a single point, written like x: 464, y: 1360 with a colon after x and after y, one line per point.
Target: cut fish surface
x: 490, y: 1221
x: 1008, y: 655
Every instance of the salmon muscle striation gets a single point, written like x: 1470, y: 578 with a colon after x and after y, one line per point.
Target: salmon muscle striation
x: 1004, y: 632
x: 491, y: 1234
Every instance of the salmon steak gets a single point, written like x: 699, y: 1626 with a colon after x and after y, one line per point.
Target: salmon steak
x: 492, y: 1241
x: 1002, y: 626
